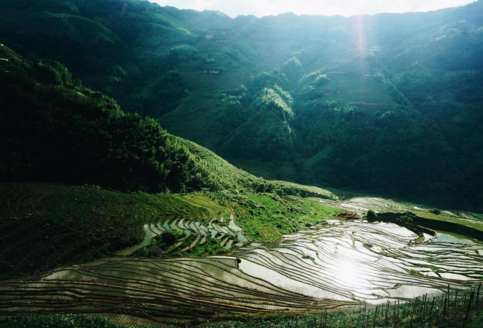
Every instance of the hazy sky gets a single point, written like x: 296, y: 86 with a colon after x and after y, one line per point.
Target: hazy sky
x: 260, y: 8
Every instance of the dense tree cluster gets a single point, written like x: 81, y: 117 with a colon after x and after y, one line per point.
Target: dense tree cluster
x: 54, y: 129
x: 431, y: 151
x: 60, y: 131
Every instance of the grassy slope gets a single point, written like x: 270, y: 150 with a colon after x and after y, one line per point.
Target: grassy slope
x: 235, y: 179
x: 358, y: 91
x: 285, y: 215
x: 350, y: 74
x: 196, y: 119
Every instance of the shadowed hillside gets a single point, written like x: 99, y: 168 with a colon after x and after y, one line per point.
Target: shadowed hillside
x: 387, y: 104
x: 56, y: 130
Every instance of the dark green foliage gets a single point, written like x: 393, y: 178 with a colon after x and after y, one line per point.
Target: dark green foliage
x: 60, y: 131
x: 266, y: 133
x: 182, y: 55
x: 371, y: 214
x: 407, y: 218
x: 245, y: 49
x: 76, y: 29
x: 258, y: 120
x: 400, y: 116
x: 54, y: 134
x: 61, y: 135
x: 237, y: 56
x: 52, y: 72
x: 111, y: 45
x: 160, y: 96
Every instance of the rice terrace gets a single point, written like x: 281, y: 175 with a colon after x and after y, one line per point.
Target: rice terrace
x: 338, y: 264
x: 241, y: 164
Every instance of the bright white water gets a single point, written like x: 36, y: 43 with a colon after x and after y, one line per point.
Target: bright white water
x: 372, y: 262
x: 328, y: 267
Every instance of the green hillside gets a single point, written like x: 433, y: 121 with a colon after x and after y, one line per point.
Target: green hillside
x: 73, y: 224
x: 386, y: 104
x: 56, y: 130
x: 381, y: 105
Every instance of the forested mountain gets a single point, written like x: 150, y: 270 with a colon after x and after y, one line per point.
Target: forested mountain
x: 390, y: 103
x: 54, y: 129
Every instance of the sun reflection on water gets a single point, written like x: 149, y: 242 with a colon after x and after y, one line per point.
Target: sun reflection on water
x: 348, y: 274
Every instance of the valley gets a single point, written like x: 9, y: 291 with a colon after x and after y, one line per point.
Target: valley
x: 162, y: 167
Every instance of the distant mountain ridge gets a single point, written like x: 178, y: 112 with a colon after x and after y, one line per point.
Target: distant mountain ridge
x: 389, y: 103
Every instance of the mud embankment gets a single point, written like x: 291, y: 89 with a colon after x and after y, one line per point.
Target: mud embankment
x: 420, y: 225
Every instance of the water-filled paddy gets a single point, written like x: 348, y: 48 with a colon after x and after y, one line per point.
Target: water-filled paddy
x: 370, y: 262
x: 327, y: 267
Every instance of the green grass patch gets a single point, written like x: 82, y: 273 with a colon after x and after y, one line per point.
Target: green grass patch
x: 266, y: 217
x: 196, y: 118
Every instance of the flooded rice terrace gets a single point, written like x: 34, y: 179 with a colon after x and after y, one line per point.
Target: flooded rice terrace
x: 325, y: 267
x: 372, y: 262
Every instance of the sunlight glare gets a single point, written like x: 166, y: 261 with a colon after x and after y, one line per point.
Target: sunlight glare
x: 348, y: 274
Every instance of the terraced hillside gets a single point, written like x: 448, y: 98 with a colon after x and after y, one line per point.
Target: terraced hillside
x: 103, y: 212
x: 315, y: 270
x: 166, y: 291
x: 45, y: 226
x: 144, y: 257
